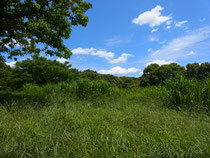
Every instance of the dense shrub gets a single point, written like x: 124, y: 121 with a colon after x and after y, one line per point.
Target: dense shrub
x: 180, y: 92
x: 80, y: 89
x: 87, y: 89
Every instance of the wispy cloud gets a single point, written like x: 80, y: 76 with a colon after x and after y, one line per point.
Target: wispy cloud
x: 152, y: 18
x: 153, y: 39
x: 168, y: 27
x: 109, y: 56
x: 178, y: 47
x: 154, y: 30
x: 180, y: 23
x: 118, y: 40
x: 190, y: 53
x: 119, y: 71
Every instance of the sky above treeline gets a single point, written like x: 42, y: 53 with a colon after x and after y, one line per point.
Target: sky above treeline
x: 124, y: 36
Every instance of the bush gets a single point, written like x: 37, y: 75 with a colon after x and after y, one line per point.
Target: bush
x: 81, y: 89
x: 180, y: 92
x: 87, y: 89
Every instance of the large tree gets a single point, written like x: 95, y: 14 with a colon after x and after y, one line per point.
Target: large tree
x: 40, y: 71
x: 155, y: 74
x: 26, y: 23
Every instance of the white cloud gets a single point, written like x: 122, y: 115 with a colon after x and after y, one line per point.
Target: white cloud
x: 153, y: 39
x: 150, y: 50
x: 141, y: 73
x: 152, y: 18
x: 168, y: 27
x: 160, y: 62
x: 83, y: 51
x: 162, y: 42
x: 179, y: 46
x: 117, y: 40
x: 62, y: 60
x: 180, y: 23
x: 119, y: 71
x: 169, y: 22
x: 109, y: 56
x: 11, y: 64
x: 154, y: 30
x: 190, y: 53
x: 103, y: 54
x: 122, y: 58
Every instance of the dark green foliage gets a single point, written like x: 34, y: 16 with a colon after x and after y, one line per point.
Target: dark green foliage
x: 40, y: 71
x: 155, y: 75
x: 197, y: 71
x: 5, y: 75
x: 129, y: 82
x: 24, y: 24
x: 192, y: 70
x: 90, y: 74
x: 87, y: 89
x: 190, y: 94
x: 82, y: 89
x: 204, y: 71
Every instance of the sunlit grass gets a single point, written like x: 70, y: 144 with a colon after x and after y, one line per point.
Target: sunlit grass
x: 133, y: 124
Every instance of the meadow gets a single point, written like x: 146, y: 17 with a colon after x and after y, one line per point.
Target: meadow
x: 95, y: 119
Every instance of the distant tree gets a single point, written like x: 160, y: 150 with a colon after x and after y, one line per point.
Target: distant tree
x: 114, y: 80
x: 129, y: 82
x: 165, y: 72
x: 5, y: 75
x: 90, y: 74
x: 204, y: 71
x: 40, y: 70
x: 192, y: 70
x: 155, y: 74
x: 144, y: 81
x: 149, y: 69
x: 26, y: 23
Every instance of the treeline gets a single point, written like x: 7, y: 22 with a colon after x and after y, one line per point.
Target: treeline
x: 41, y: 71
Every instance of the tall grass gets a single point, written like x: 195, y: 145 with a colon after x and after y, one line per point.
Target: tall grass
x: 82, y: 89
x: 183, y: 93
x: 135, y: 126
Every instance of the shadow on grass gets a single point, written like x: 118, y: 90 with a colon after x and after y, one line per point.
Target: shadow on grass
x: 21, y: 100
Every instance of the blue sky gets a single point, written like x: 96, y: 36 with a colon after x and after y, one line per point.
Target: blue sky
x: 124, y: 36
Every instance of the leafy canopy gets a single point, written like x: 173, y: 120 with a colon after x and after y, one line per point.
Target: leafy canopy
x: 26, y: 23
x: 40, y: 71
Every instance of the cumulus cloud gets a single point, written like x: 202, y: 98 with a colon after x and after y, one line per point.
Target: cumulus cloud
x: 178, y: 47
x: 180, y: 23
x: 121, y: 59
x: 83, y: 51
x: 160, y: 62
x: 119, y: 71
x: 109, y: 56
x: 103, y: 54
x: 152, y: 18
x: 62, y: 60
x: 11, y: 64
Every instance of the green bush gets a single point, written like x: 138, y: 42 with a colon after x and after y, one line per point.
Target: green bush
x: 81, y: 89
x: 180, y: 92
x: 87, y: 89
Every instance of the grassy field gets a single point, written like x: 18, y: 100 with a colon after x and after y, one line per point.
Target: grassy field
x: 132, y: 124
